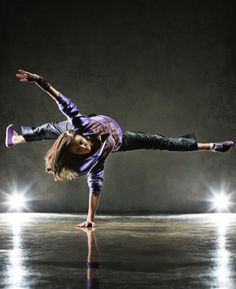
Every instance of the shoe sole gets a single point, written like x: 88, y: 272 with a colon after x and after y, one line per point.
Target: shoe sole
x: 231, y: 146
x: 6, y: 138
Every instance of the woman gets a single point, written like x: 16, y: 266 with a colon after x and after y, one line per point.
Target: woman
x: 84, y: 142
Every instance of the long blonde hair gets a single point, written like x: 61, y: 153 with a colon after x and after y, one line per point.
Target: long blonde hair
x: 60, y: 161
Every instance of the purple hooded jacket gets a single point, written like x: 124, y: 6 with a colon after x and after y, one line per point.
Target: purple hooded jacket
x: 104, y: 128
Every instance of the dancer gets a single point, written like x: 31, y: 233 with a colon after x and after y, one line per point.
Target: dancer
x: 83, y: 143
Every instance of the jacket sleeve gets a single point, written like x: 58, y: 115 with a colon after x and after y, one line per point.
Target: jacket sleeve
x: 95, y: 178
x: 71, y: 111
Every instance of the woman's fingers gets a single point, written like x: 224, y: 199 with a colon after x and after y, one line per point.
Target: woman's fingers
x: 85, y: 225
x: 25, y: 80
x: 80, y: 225
x: 26, y: 76
x: 24, y: 71
x: 20, y: 75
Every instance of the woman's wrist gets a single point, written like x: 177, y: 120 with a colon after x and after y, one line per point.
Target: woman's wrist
x: 43, y: 83
x: 90, y: 219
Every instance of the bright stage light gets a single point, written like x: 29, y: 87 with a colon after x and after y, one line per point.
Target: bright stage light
x: 16, y: 201
x: 221, y: 202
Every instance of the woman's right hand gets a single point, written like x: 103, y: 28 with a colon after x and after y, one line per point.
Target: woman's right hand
x: 27, y: 77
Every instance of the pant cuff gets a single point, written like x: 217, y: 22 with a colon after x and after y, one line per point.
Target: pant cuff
x: 28, y: 133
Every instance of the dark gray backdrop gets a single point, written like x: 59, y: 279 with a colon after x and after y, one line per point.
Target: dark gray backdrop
x: 157, y: 66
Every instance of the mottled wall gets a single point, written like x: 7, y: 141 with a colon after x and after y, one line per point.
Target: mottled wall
x: 157, y: 66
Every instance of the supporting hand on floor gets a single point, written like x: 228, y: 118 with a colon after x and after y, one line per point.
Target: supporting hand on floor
x: 85, y: 224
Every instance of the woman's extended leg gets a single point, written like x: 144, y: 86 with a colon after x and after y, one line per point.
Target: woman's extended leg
x: 134, y: 140
x: 46, y: 131
x: 204, y: 146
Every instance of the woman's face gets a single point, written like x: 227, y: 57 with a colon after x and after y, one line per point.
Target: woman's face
x: 79, y: 145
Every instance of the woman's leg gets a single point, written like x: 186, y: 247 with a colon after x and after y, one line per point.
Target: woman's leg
x: 18, y: 139
x: 134, y: 140
x: 204, y: 146
x: 46, y: 131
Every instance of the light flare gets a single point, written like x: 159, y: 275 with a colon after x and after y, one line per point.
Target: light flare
x: 16, y: 201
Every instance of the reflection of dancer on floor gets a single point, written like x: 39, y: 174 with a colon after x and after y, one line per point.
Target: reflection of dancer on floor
x: 92, y: 259
x: 84, y: 142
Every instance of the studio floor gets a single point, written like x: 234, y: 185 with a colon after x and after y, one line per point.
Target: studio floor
x: 167, y: 251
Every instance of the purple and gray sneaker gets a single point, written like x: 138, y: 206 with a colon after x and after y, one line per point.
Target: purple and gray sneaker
x: 10, y: 132
x: 223, y: 146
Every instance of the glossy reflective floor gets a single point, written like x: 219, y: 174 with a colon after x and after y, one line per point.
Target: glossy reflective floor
x: 184, y: 251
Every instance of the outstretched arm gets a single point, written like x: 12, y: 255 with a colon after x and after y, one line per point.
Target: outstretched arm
x: 65, y: 105
x: 28, y: 77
